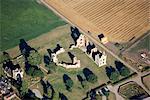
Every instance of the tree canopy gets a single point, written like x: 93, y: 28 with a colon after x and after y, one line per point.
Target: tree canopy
x: 114, y: 76
x: 35, y: 72
x: 34, y: 58
x: 69, y: 84
x: 124, y: 71
x: 24, y: 88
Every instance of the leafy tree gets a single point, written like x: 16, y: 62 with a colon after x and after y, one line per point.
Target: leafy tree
x: 92, y: 78
x: 35, y: 72
x: 38, y: 73
x: 124, y: 71
x: 34, y: 58
x: 5, y: 57
x: 69, y: 84
x: 114, y: 76
x: 30, y: 70
x: 24, y: 88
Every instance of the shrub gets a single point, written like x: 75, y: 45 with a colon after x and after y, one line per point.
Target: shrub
x: 114, y: 76
x: 69, y: 84
x: 34, y: 58
x: 124, y: 71
x: 92, y: 78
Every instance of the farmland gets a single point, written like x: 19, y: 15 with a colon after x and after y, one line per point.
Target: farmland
x: 119, y: 20
x: 24, y: 19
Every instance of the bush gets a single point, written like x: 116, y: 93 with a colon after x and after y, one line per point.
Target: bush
x: 114, y: 76
x: 34, y: 58
x: 24, y: 88
x: 69, y: 84
x: 124, y: 71
x: 92, y: 78
x: 35, y: 72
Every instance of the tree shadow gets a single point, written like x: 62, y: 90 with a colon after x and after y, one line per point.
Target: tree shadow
x: 8, y: 65
x: 87, y: 72
x: 119, y: 65
x: 65, y: 78
x: 25, y: 48
x: 49, y: 52
x: 109, y: 70
x: 80, y: 78
x: 62, y: 96
x: 30, y: 96
x: 75, y: 33
x: 6, y: 57
x: 47, y: 60
x: 44, y: 86
x: 51, y: 87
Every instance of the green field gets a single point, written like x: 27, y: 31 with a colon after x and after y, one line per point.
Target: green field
x: 143, y: 44
x: 24, y: 19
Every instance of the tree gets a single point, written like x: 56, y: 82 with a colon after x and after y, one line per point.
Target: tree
x: 92, y: 78
x: 114, y: 76
x: 124, y: 71
x: 24, y: 88
x: 35, y: 72
x: 69, y: 84
x: 30, y: 70
x: 5, y: 57
x: 34, y: 58
x: 38, y: 73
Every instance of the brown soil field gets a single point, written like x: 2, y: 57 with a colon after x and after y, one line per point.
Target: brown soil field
x: 119, y: 20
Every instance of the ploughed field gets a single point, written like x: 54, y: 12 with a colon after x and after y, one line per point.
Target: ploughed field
x: 25, y: 19
x: 119, y: 20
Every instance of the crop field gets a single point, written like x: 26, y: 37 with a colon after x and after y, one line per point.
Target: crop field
x: 119, y: 20
x: 24, y: 19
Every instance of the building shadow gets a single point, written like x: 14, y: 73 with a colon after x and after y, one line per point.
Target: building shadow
x: 89, y: 47
x: 57, y: 48
x: 71, y: 56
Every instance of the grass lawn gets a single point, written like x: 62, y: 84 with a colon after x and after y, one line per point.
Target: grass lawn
x: 24, y: 19
x: 78, y: 92
x: 143, y: 44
